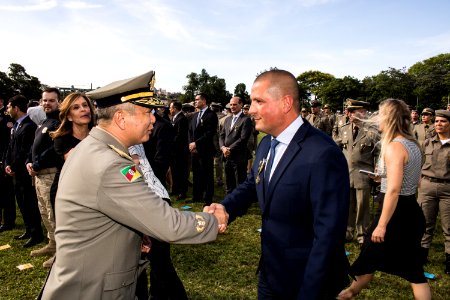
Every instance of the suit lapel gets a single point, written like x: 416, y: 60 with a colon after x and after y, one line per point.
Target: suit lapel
x: 291, y: 152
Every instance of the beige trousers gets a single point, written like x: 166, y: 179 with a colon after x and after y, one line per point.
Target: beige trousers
x: 43, y: 183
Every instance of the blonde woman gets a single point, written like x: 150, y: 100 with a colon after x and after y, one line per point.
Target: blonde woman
x: 392, y: 244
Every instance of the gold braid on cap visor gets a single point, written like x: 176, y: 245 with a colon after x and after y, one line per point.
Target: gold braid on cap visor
x: 136, y: 96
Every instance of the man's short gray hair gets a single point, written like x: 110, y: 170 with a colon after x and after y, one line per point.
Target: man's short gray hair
x: 106, y: 114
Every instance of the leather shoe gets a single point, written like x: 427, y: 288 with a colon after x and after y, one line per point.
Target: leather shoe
x: 181, y: 197
x: 24, y: 236
x: 6, y: 228
x: 33, y: 241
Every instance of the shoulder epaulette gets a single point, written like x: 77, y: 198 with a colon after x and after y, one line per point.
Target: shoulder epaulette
x: 120, y: 152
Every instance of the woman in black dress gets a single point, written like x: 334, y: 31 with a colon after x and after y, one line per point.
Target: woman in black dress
x: 392, y: 244
x: 77, y: 119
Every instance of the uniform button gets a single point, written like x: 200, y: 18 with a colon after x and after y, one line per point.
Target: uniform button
x: 123, y: 283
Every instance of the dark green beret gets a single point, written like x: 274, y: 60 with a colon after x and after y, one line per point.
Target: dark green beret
x: 138, y: 90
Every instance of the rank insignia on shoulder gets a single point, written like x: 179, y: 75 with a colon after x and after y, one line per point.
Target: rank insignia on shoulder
x: 200, y: 223
x: 130, y: 173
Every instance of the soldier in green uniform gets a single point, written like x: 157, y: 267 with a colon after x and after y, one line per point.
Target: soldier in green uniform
x: 318, y: 119
x: 434, y: 188
x: 341, y: 120
x: 359, y: 144
x: 104, y: 206
x: 329, y: 114
x: 425, y: 130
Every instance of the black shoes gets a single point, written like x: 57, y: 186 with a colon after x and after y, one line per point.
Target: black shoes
x: 181, y: 197
x: 33, y: 241
x: 24, y: 236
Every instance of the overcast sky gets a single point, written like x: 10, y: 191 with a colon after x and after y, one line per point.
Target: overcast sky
x: 77, y: 43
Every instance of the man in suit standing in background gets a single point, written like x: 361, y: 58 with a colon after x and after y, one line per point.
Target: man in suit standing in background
x: 22, y: 139
x: 300, y: 178
x: 180, y: 161
x: 201, y: 136
x: 7, y: 200
x: 233, y: 140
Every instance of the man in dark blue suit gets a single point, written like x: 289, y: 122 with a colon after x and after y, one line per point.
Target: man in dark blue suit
x: 180, y: 161
x: 300, y: 178
x: 22, y: 138
x: 202, y: 129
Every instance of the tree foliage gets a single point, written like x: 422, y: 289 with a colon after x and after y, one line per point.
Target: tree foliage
x: 432, y: 80
x: 241, y: 91
x: 213, y: 86
x: 337, y: 90
x: 313, y: 81
x: 391, y: 83
x: 18, y: 81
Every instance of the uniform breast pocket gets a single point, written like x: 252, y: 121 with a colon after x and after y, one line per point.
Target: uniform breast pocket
x: 428, y: 154
x: 119, y: 285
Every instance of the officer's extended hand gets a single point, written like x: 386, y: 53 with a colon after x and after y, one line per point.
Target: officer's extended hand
x: 220, y: 213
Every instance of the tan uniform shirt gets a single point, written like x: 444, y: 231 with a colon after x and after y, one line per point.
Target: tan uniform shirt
x: 423, y: 132
x: 361, y: 153
x: 320, y: 121
x: 102, y: 207
x: 437, y: 159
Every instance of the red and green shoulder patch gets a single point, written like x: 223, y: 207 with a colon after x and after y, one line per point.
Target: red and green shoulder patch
x: 130, y: 173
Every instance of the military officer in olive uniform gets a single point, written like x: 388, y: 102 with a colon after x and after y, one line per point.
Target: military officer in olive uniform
x: 341, y: 120
x: 104, y: 206
x: 329, y: 115
x: 318, y: 119
x: 434, y: 188
x: 425, y: 130
x: 359, y: 144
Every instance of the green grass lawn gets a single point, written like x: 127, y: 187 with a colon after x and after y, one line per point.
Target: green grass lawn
x: 224, y: 269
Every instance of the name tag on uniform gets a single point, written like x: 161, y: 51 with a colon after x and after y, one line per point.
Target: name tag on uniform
x: 130, y: 173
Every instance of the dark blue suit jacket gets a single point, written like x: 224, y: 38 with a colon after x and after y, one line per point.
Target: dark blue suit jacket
x: 304, y: 216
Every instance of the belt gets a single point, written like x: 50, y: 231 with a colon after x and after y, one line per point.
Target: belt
x: 47, y: 171
x: 437, y: 180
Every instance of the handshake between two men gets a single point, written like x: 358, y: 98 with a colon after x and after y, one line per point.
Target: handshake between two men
x: 219, y: 211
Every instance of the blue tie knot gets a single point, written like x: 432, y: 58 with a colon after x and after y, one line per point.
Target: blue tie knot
x: 273, y: 144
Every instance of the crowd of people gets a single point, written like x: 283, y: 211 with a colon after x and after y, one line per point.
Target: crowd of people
x: 106, y: 174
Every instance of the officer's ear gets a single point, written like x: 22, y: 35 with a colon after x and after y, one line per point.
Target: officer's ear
x: 119, y: 118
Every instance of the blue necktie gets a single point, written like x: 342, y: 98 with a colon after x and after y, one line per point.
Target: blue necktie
x: 199, y: 118
x: 273, y: 145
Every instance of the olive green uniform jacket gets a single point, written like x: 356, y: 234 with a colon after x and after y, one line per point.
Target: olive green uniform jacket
x: 361, y: 153
x: 103, y: 206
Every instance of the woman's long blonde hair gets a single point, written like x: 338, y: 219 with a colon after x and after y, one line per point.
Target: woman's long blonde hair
x: 66, y: 126
x: 395, y: 116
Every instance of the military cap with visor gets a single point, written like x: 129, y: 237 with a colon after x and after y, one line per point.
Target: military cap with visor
x: 138, y: 90
x: 246, y: 106
x: 443, y: 113
x: 428, y: 111
x: 356, y: 104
